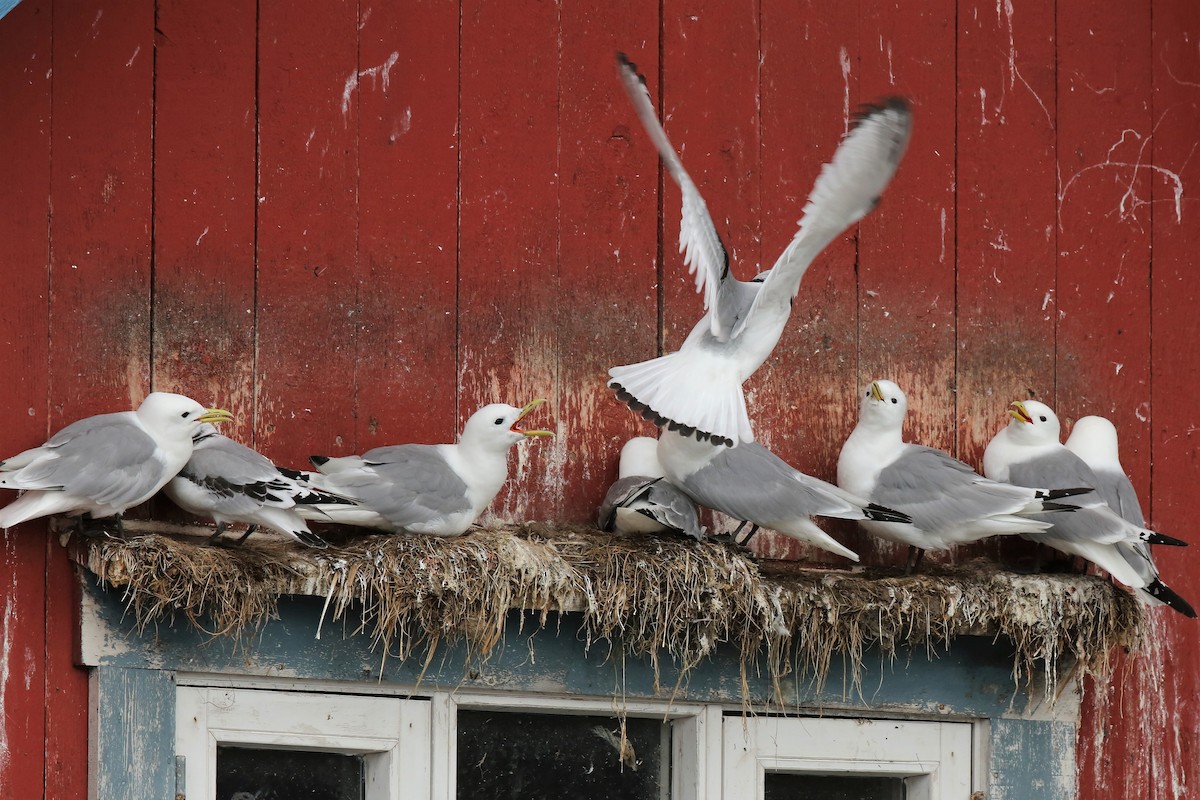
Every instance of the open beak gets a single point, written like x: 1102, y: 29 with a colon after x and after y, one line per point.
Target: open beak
x: 530, y: 406
x: 1017, y: 411
x: 876, y: 392
x: 215, y: 415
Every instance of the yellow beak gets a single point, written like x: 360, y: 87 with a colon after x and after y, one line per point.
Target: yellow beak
x: 1017, y: 411
x: 530, y: 406
x: 876, y: 392
x: 215, y: 415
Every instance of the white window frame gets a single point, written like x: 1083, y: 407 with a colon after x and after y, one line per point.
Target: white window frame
x: 718, y: 753
x: 392, y: 734
x: 934, y: 758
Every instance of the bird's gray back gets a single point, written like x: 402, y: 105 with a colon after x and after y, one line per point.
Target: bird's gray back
x: 413, y: 484
x: 939, y: 491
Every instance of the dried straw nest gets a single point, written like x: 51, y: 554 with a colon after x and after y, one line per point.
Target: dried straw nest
x: 647, y: 595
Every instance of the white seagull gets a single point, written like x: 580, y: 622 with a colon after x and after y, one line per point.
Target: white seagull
x: 1094, y: 439
x: 642, y: 500
x: 750, y: 483
x: 698, y: 389
x: 950, y: 503
x: 426, y: 488
x: 1028, y: 452
x: 103, y: 465
x: 229, y: 482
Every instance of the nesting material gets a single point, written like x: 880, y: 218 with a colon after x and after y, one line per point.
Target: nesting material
x: 650, y: 596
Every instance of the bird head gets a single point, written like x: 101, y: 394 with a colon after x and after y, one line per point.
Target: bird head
x: 883, y: 405
x: 1094, y: 439
x: 1033, y: 423
x: 174, y: 414
x: 498, y: 425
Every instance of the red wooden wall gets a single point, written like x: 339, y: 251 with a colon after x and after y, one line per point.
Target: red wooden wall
x: 352, y: 224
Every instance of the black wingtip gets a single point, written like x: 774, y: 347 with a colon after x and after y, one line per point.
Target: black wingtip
x: 624, y: 63
x: 1049, y: 506
x: 318, y: 461
x: 1058, y: 494
x: 1163, y: 539
x: 879, y: 513
x: 1160, y: 591
x: 310, y: 539
x: 868, y: 110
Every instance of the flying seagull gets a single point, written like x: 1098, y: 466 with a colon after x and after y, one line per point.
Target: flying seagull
x: 642, y: 500
x: 426, y: 488
x: 103, y: 465
x: 750, y: 483
x: 230, y: 482
x: 698, y: 389
x: 950, y: 503
x: 1028, y: 452
x: 1094, y: 440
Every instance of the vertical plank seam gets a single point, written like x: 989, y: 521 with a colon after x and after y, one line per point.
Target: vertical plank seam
x: 957, y: 432
x: 456, y: 400
x: 356, y: 268
x: 46, y: 550
x: 1149, y: 505
x: 660, y: 206
x: 256, y: 378
x: 1058, y: 189
x: 152, y: 311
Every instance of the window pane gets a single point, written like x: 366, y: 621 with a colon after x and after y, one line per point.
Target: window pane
x: 245, y: 773
x: 801, y: 786
x: 510, y: 756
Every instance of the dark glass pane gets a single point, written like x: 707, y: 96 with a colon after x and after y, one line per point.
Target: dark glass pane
x: 803, y: 786
x: 246, y: 773
x: 508, y: 756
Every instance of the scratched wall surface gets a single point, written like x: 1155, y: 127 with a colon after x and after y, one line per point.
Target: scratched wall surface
x: 354, y: 223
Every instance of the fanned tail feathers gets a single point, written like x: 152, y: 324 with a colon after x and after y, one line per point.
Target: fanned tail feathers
x: 671, y: 392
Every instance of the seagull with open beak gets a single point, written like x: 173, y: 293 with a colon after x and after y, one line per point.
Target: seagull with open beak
x: 426, y: 488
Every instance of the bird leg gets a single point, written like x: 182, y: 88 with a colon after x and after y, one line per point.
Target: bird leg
x: 107, y: 527
x: 915, y: 554
x: 212, y: 540
x: 746, y: 541
x: 241, y: 539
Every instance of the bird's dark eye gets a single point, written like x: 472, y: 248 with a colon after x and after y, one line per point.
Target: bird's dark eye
x: 1043, y: 419
x: 499, y: 420
x: 868, y: 394
x: 894, y: 400
x: 186, y: 414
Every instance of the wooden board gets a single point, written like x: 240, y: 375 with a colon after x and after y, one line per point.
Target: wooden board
x: 25, y: 72
x: 1007, y: 228
x: 407, y: 111
x: 204, y: 202
x: 100, y: 291
x: 307, y: 292
x: 508, y: 282
x: 608, y: 245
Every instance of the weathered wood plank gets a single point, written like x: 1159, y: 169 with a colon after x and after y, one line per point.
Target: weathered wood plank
x: 204, y: 203
x: 1137, y: 735
x: 508, y: 283
x: 608, y: 244
x: 407, y: 110
x: 804, y: 394
x: 101, y: 145
x: 906, y: 254
x: 1006, y: 222
x: 308, y: 79
x: 1031, y: 759
x: 132, y: 733
x: 25, y: 262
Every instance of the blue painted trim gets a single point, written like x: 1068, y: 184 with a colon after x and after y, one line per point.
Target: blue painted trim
x: 7, y: 6
x: 973, y: 678
x: 1032, y: 760
x: 133, y: 733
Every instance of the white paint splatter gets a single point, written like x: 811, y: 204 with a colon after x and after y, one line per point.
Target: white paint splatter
x: 136, y: 50
x: 203, y: 233
x: 1130, y: 202
x: 1046, y: 299
x: 844, y: 60
x: 7, y: 653
x: 381, y: 73
x: 1117, y: 367
x: 308, y: 141
x: 942, y: 255
x: 1001, y: 243
x: 983, y: 120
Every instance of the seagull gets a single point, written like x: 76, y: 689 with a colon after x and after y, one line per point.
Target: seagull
x: 950, y: 503
x: 1028, y: 453
x: 698, y: 389
x: 750, y: 483
x: 229, y: 482
x: 1094, y: 440
x: 426, y: 488
x: 103, y: 465
x: 642, y: 500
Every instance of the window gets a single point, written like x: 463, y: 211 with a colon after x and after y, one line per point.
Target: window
x: 825, y: 758
x: 237, y: 743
